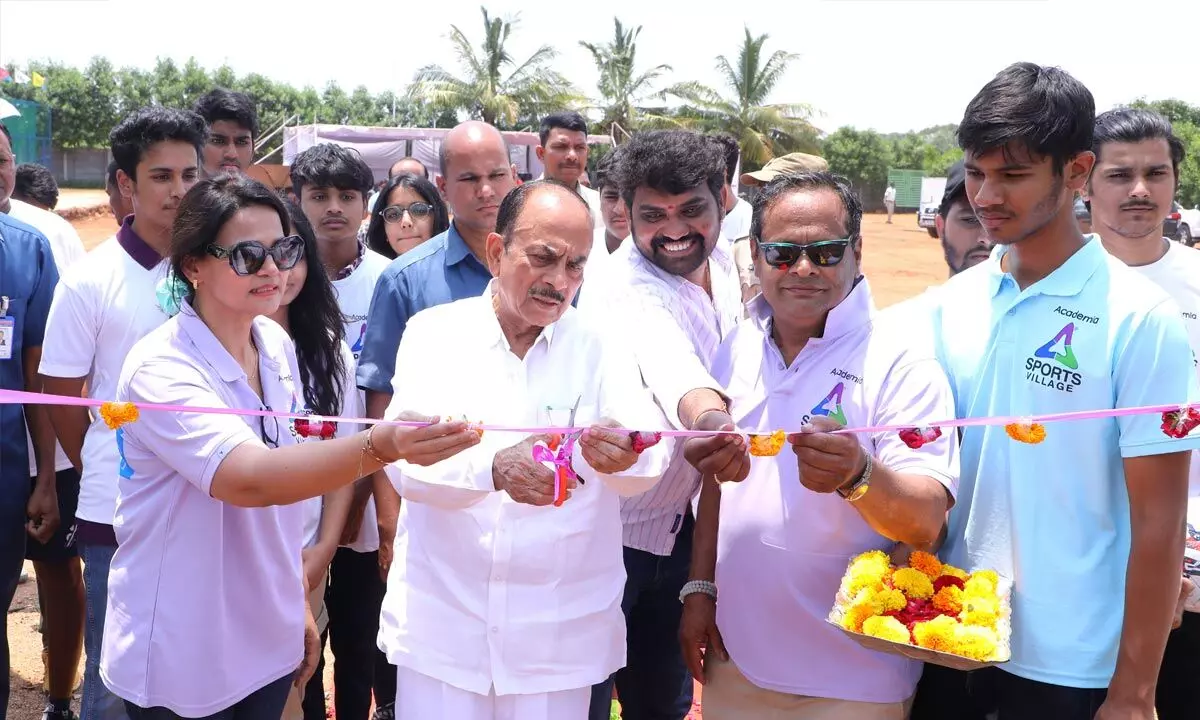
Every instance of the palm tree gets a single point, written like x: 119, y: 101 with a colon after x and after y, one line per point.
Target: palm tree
x: 495, y: 88
x: 621, y: 90
x: 763, y: 130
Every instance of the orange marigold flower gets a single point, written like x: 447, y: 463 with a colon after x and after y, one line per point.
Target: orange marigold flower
x: 767, y: 445
x: 860, y: 608
x: 913, y: 583
x: 949, y: 600
x: 1031, y: 433
x: 116, y: 414
x: 886, y: 627
x: 926, y: 563
x: 936, y: 634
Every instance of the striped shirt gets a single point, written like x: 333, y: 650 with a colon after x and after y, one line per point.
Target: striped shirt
x: 674, y: 328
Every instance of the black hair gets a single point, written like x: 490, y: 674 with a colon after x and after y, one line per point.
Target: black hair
x: 1130, y: 125
x: 110, y: 178
x: 206, y: 208
x: 317, y: 326
x: 36, y: 183
x: 1043, y: 109
x: 222, y: 104
x: 330, y: 165
x: 670, y: 161
x: 728, y: 145
x: 424, y: 170
x: 376, y: 229
x: 785, y: 184
x: 572, y: 121
x: 602, y: 176
x: 148, y: 126
x: 514, y: 202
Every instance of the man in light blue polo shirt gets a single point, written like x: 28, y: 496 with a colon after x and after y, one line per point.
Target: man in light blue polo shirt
x: 1051, y: 323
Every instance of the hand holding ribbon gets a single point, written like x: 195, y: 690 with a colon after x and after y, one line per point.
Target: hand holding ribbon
x: 556, y: 453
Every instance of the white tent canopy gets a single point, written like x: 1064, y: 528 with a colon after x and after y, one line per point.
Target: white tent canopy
x: 383, y: 146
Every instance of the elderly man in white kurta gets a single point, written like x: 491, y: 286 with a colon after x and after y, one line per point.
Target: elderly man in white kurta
x: 501, y: 604
x: 814, y: 357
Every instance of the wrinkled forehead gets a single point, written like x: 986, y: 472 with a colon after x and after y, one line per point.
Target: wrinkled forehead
x: 805, y: 216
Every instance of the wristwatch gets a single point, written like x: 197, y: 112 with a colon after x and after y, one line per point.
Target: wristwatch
x: 856, y: 488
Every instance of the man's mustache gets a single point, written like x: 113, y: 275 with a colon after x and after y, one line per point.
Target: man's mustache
x: 1138, y: 205
x: 661, y: 240
x: 548, y: 293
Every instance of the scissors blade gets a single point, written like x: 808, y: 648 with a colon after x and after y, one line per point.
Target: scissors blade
x: 571, y: 421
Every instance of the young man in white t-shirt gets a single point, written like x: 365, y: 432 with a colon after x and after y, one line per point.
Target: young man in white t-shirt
x: 1130, y: 192
x: 333, y: 184
x: 101, y: 309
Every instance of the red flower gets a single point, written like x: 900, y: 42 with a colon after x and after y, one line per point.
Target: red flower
x: 1178, y: 423
x: 945, y: 580
x: 643, y: 440
x: 322, y: 430
x: 915, y: 437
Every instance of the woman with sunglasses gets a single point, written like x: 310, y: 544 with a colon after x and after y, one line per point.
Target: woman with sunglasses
x: 207, y: 611
x: 408, y: 212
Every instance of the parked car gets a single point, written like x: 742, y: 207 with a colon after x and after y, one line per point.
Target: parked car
x: 1189, y: 226
x: 1171, y: 226
x: 931, y: 197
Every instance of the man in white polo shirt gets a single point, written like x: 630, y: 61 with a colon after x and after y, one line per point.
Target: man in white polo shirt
x: 101, y: 309
x: 1129, y: 195
x: 814, y: 355
x: 1089, y: 521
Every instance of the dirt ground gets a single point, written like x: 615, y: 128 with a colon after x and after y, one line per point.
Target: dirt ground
x: 900, y: 260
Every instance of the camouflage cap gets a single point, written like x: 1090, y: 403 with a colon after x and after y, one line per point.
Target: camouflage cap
x: 785, y: 165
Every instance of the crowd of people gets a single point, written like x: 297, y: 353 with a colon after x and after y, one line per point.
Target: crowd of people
x: 200, y: 561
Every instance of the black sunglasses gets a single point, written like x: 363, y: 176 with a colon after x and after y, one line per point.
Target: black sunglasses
x: 248, y: 257
x: 826, y: 253
x: 394, y: 213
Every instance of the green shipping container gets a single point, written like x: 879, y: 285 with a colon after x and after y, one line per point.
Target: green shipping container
x: 908, y: 187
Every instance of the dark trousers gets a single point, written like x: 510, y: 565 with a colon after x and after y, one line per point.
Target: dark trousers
x: 353, y: 600
x: 945, y: 694
x: 1176, y: 698
x: 14, y: 495
x: 655, y: 683
x: 264, y: 704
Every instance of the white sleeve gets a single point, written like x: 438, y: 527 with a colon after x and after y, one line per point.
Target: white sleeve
x: 69, y: 347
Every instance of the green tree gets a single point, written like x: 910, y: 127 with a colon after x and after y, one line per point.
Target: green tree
x: 494, y: 88
x: 863, y: 157
x: 623, y: 90
x: 763, y: 130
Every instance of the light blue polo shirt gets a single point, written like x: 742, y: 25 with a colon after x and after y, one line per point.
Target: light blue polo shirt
x: 1054, y: 517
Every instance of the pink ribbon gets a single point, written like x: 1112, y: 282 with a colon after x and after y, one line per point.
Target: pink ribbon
x: 561, y: 460
x: 26, y: 398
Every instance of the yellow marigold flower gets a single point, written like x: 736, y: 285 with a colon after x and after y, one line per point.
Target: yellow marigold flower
x: 936, y: 634
x: 949, y: 600
x: 887, y: 600
x: 977, y: 610
x: 767, y: 445
x: 867, y: 570
x: 989, y: 575
x: 926, y: 563
x: 913, y: 583
x: 1032, y: 433
x: 975, y: 642
x: 887, y: 627
x: 860, y: 608
x: 982, y: 587
x: 955, y: 572
x: 116, y: 414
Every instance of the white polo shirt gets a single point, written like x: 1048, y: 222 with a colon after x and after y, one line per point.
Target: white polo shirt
x: 782, y: 549
x: 205, y: 599
x: 101, y: 308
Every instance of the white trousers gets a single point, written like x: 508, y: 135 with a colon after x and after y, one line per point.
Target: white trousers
x: 420, y: 697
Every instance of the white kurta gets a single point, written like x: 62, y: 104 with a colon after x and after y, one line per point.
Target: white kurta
x: 485, y: 594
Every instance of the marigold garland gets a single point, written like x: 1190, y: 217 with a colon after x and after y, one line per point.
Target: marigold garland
x: 767, y: 445
x: 116, y: 414
x: 1031, y: 433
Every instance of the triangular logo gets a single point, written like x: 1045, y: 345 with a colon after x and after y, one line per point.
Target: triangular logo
x: 1059, y: 348
x: 831, y: 406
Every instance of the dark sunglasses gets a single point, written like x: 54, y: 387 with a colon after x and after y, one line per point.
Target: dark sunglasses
x: 394, y: 213
x: 826, y: 253
x: 247, y: 258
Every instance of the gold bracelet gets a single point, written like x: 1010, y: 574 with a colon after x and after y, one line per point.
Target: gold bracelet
x: 369, y: 447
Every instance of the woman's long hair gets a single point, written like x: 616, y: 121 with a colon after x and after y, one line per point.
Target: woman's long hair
x: 377, y: 230
x: 317, y: 327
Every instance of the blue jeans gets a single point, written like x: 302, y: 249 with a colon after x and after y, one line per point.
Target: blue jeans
x: 655, y: 683
x: 98, y: 701
x: 13, y: 498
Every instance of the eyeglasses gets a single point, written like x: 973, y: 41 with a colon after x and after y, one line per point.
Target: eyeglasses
x: 248, y: 257
x: 271, y: 442
x: 826, y: 253
x: 418, y: 210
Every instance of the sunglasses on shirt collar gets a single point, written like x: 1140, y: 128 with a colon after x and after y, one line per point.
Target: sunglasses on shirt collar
x: 826, y: 253
x: 248, y: 257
